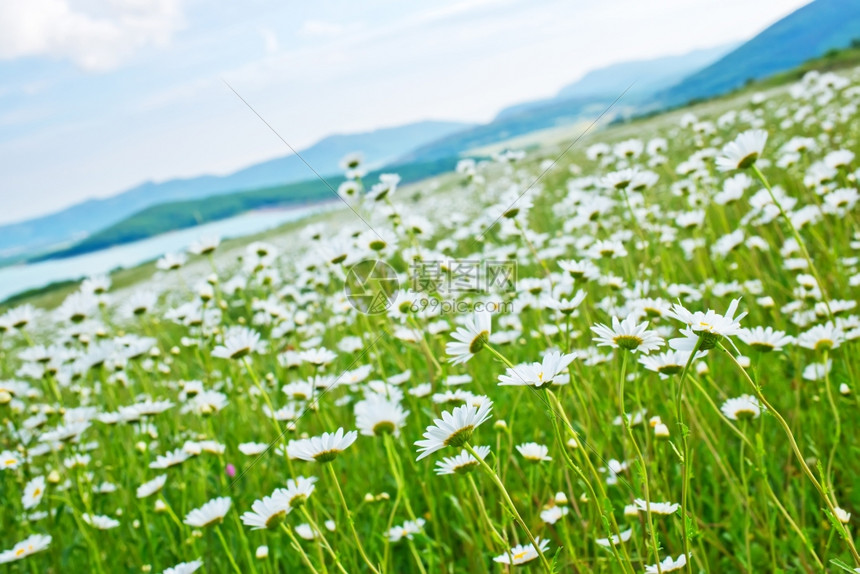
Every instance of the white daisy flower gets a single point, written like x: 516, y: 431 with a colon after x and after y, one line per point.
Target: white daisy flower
x: 409, y: 529
x: 668, y: 363
x: 657, y: 507
x: 305, y: 531
x: 765, y: 339
x: 817, y: 371
x: 667, y: 565
x: 822, y: 337
x: 563, y: 305
x: 205, y: 245
x: 613, y: 540
x: 65, y: 433
x: 538, y: 374
x: 185, y: 567
x: 211, y: 512
x: 298, y: 490
x: 253, y: 448
x: 709, y: 325
x: 471, y: 337
x: 454, y: 428
x: 171, y: 261
x: 742, y: 407
x: 583, y: 269
x: 9, y: 460
x: 376, y: 415
x: 461, y: 463
x: 26, y: 547
x: 152, y: 486
x: 554, y: 514
x: 534, y: 452
x: 33, y: 492
x: 522, y: 553
x: 267, y: 512
x: 741, y: 153
x: 628, y: 335
x: 169, y: 459
x: 238, y: 342
x: 318, y: 357
x: 324, y: 448
x: 99, y: 521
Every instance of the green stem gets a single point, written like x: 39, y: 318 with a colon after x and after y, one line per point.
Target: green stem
x: 556, y: 412
x: 627, y: 426
x: 350, y: 520
x: 745, y: 509
x: 797, y: 238
x: 401, y: 490
x: 837, y: 430
x: 227, y: 550
x: 499, y: 355
x: 483, y: 512
x: 685, y: 465
x: 323, y: 541
x: 305, y: 558
x: 265, y: 394
x: 510, y: 504
x: 846, y: 535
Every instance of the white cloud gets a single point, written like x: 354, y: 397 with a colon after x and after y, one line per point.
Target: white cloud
x: 270, y: 39
x: 321, y: 28
x: 456, y: 9
x: 96, y: 39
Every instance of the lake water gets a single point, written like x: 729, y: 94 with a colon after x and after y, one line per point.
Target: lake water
x: 18, y: 278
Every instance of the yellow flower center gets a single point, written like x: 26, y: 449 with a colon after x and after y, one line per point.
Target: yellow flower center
x: 460, y: 437
x: 520, y: 555
x: 823, y: 344
x: 629, y: 342
x: 478, y: 342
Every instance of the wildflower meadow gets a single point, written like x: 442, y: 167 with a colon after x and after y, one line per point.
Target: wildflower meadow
x: 634, y: 352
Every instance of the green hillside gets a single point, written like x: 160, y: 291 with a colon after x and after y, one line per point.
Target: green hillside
x: 811, y: 31
x: 176, y: 215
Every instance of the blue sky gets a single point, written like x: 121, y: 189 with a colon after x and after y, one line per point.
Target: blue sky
x: 99, y: 95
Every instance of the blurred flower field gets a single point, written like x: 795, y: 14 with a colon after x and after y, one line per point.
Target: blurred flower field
x: 638, y: 356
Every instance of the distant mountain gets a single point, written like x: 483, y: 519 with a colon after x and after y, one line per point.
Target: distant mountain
x: 551, y: 114
x: 68, y: 226
x: 587, y: 97
x: 646, y: 76
x: 807, y: 33
x: 174, y: 215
